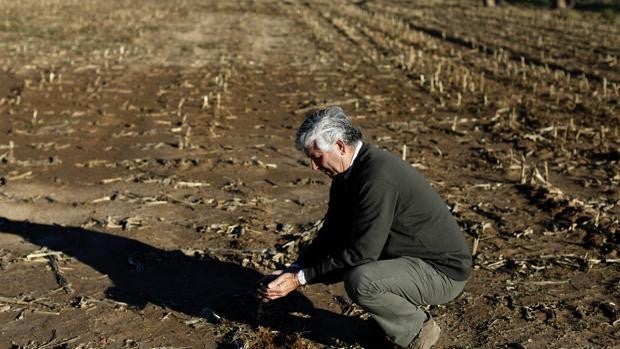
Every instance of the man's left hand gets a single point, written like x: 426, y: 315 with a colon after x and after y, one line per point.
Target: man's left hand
x: 280, y: 287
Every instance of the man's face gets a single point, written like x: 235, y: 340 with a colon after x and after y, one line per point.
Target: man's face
x: 331, y: 163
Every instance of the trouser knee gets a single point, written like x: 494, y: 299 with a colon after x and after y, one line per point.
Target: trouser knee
x: 357, y: 283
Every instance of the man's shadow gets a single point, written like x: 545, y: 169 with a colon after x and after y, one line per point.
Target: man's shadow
x: 193, y: 285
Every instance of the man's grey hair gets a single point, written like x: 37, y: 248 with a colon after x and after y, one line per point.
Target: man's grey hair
x: 324, y: 127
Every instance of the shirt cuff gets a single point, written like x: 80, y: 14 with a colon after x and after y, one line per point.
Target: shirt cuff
x: 301, y: 277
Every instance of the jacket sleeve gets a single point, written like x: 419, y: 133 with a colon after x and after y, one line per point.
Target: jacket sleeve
x: 372, y: 220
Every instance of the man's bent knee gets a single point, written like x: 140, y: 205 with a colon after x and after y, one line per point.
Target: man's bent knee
x: 357, y: 282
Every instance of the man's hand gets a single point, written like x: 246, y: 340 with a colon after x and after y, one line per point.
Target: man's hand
x: 284, y: 284
x: 269, y: 277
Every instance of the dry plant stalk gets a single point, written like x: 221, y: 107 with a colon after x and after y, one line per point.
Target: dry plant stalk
x: 60, y: 277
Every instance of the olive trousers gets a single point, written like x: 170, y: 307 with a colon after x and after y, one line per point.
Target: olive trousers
x: 392, y: 291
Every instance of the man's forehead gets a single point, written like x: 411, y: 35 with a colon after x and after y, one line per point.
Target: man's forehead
x: 312, y: 149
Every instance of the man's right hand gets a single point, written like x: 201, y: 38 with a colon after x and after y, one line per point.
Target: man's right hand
x: 261, y: 285
x: 267, y: 279
x: 284, y: 284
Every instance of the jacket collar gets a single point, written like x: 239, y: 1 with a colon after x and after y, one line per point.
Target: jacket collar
x: 356, y: 160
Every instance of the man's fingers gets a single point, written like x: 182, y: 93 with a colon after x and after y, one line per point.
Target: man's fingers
x: 280, y: 287
x: 274, y: 283
x: 273, y: 293
x: 274, y: 296
x: 278, y: 282
x: 270, y: 277
x: 266, y: 279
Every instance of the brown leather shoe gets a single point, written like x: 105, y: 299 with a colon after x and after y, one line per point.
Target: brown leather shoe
x: 428, y: 336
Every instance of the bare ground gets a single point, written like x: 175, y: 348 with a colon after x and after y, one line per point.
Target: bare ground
x: 148, y: 175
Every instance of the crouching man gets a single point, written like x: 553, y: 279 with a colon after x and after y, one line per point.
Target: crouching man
x: 387, y: 234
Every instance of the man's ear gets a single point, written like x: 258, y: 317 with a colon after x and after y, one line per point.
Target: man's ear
x: 341, y: 146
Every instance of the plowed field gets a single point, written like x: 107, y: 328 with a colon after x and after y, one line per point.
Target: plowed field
x: 148, y: 175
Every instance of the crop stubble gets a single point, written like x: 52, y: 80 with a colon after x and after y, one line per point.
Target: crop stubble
x: 159, y: 136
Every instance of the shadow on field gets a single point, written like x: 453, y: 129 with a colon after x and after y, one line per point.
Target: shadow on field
x: 145, y: 274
